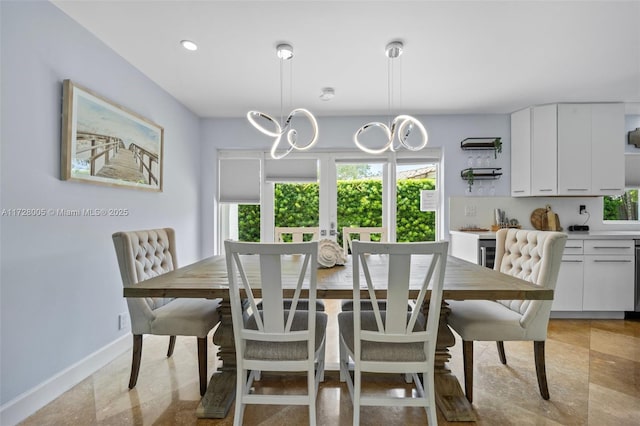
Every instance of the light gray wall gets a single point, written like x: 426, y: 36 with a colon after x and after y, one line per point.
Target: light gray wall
x: 61, y: 290
x: 445, y: 131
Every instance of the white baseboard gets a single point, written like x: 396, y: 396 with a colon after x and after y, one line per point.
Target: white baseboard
x: 32, y: 400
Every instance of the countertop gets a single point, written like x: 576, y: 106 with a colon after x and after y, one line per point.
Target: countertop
x: 591, y: 235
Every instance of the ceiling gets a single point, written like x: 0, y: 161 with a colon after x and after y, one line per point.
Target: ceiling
x: 459, y: 56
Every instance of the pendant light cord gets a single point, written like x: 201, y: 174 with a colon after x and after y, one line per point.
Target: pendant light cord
x: 281, y: 92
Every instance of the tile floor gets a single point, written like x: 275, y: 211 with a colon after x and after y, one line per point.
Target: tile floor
x: 593, y: 369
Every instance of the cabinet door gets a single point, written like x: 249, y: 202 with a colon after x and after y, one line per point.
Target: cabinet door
x: 568, y: 293
x: 574, y: 149
x: 608, y: 283
x: 464, y: 247
x: 521, y: 153
x: 607, y: 147
x: 544, y: 154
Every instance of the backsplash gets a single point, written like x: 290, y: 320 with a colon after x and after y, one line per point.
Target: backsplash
x: 479, y: 211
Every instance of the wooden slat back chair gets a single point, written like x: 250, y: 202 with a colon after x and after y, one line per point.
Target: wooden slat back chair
x: 394, y: 341
x: 364, y: 234
x: 145, y: 254
x: 297, y: 233
x: 275, y: 338
x: 534, y: 256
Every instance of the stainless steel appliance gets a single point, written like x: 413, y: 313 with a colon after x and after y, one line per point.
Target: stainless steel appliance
x: 487, y: 253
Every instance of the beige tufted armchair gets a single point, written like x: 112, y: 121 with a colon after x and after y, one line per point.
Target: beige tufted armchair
x: 533, y: 256
x: 146, y: 254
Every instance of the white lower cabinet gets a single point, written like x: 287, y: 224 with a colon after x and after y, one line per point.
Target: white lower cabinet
x: 568, y: 293
x: 596, y: 275
x: 608, y: 275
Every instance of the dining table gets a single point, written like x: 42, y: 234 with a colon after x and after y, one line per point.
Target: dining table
x: 463, y: 280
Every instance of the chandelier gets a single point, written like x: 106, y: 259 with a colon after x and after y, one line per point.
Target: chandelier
x: 285, y: 127
x: 402, y: 126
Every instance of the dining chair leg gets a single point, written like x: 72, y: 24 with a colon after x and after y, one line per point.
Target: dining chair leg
x: 172, y: 345
x: 538, y: 351
x: 135, y: 360
x: 467, y: 360
x: 202, y: 364
x: 311, y: 392
x: 501, y: 354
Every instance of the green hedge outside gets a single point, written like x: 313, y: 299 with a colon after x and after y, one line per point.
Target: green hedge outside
x: 359, y: 204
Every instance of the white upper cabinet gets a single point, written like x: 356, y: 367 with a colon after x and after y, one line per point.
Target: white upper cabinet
x: 521, y: 153
x: 574, y: 149
x: 544, y: 150
x: 574, y: 153
x: 607, y: 149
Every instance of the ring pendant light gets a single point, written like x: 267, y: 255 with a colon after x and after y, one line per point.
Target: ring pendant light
x: 401, y: 126
x: 279, y: 129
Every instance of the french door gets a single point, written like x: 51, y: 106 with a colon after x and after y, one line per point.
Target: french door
x: 331, y: 191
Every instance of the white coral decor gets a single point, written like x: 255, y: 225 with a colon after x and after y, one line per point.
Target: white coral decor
x: 330, y: 254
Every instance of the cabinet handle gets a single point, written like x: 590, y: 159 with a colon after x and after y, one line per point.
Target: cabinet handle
x: 573, y: 247
x: 545, y: 190
x: 611, y: 247
x: 610, y: 189
x: 611, y: 261
x: 572, y: 261
x: 518, y: 190
x: 577, y: 189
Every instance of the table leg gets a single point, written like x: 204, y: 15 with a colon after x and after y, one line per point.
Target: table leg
x: 450, y: 397
x: 220, y: 393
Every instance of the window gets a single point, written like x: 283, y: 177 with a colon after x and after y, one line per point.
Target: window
x: 622, y: 207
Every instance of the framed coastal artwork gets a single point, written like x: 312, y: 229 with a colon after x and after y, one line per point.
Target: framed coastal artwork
x: 105, y: 143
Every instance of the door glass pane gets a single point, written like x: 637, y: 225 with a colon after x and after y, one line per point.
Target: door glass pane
x: 297, y: 204
x: 249, y: 222
x: 240, y: 222
x: 359, y: 196
x: 413, y: 225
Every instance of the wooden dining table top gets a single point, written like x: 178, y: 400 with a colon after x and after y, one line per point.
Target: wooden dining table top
x: 463, y: 280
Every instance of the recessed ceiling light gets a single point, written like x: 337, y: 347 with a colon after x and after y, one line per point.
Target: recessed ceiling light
x: 327, y: 93
x: 284, y: 51
x: 189, y: 45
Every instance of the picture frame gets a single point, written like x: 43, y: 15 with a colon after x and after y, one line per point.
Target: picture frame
x: 107, y: 144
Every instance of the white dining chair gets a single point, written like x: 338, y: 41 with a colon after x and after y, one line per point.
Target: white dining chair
x: 393, y: 341
x: 363, y: 233
x: 274, y: 338
x: 145, y: 254
x: 534, y: 256
x: 297, y: 233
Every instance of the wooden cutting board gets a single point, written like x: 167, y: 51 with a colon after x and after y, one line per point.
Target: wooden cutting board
x: 539, y: 219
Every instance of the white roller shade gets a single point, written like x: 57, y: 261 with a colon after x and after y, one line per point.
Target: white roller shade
x: 239, y: 181
x: 302, y: 170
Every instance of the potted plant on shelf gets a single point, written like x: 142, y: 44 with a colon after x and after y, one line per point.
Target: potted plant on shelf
x: 469, y: 177
x: 497, y: 147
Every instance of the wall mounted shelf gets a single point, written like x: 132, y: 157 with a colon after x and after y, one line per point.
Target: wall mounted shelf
x: 483, y: 173
x: 480, y: 143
